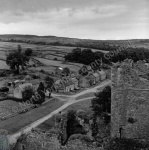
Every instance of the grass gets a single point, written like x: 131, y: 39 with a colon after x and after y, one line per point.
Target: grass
x: 3, y: 65
x: 91, y: 94
x: 85, y: 105
x: 59, y: 63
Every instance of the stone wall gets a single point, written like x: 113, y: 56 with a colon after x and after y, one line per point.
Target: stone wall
x: 129, y: 103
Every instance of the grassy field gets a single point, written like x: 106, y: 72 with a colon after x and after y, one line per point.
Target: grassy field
x: 47, y: 51
x: 53, y: 63
x: 3, y: 65
x: 91, y: 94
x: 85, y: 105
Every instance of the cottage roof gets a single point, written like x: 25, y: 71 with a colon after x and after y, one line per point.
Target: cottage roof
x: 95, y: 74
x: 101, y: 72
x: 58, y: 81
x: 74, y: 80
x: 90, y: 77
x: 22, y: 86
x: 68, y: 83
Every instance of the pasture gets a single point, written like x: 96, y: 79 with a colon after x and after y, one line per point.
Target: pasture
x: 53, y: 63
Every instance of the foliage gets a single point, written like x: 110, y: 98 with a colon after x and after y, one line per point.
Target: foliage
x: 125, y: 144
x: 73, y: 126
x: 17, y: 58
x: 101, y: 104
x: 66, y: 71
x: 49, y: 81
x: 27, y: 93
x: 85, y: 56
x: 28, y: 52
x: 94, y: 127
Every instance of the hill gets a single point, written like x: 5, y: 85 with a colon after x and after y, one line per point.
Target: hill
x: 65, y: 41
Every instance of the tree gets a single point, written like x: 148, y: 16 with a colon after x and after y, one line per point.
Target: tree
x: 49, y: 81
x: 66, y: 71
x: 16, y: 59
x: 101, y: 104
x: 28, y: 52
x: 27, y: 93
x: 87, y: 56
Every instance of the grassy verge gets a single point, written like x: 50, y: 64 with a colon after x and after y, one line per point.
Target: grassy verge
x: 91, y: 94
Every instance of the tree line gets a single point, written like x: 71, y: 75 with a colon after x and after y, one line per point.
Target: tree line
x: 86, y: 56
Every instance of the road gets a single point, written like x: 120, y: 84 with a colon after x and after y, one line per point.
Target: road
x: 24, y: 123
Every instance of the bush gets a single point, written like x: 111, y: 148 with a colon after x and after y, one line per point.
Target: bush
x: 35, y: 76
x: 27, y: 93
x: 55, y: 58
x: 42, y: 71
x: 3, y: 74
x: 24, y: 73
x: 28, y: 52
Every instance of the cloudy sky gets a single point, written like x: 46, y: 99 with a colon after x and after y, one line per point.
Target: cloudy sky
x: 89, y: 19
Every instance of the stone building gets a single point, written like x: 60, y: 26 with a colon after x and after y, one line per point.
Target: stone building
x: 129, y: 103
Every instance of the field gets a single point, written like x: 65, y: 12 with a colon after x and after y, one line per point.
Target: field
x: 52, y: 56
x: 91, y: 94
x: 53, y: 63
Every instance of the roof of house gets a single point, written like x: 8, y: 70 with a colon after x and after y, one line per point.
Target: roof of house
x: 68, y: 83
x: 58, y: 81
x: 22, y: 86
x: 74, y: 80
x: 95, y: 74
x: 101, y: 72
x: 90, y: 77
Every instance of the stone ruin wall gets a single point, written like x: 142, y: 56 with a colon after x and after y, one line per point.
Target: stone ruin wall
x: 129, y: 101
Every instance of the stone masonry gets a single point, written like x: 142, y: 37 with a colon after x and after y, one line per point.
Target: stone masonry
x: 129, y: 102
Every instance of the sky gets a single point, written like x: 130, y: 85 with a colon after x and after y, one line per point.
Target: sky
x: 85, y: 19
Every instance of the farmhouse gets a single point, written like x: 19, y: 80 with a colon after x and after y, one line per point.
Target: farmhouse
x: 64, y: 86
x: 84, y: 82
x: 76, y: 83
x: 19, y: 89
x: 91, y: 79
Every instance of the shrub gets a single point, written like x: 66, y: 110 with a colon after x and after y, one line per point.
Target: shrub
x: 3, y: 74
x: 55, y: 58
x: 42, y: 71
x: 27, y: 93
x: 35, y: 76
x: 24, y: 73
x: 28, y: 52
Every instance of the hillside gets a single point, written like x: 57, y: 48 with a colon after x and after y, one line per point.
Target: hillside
x: 64, y: 41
